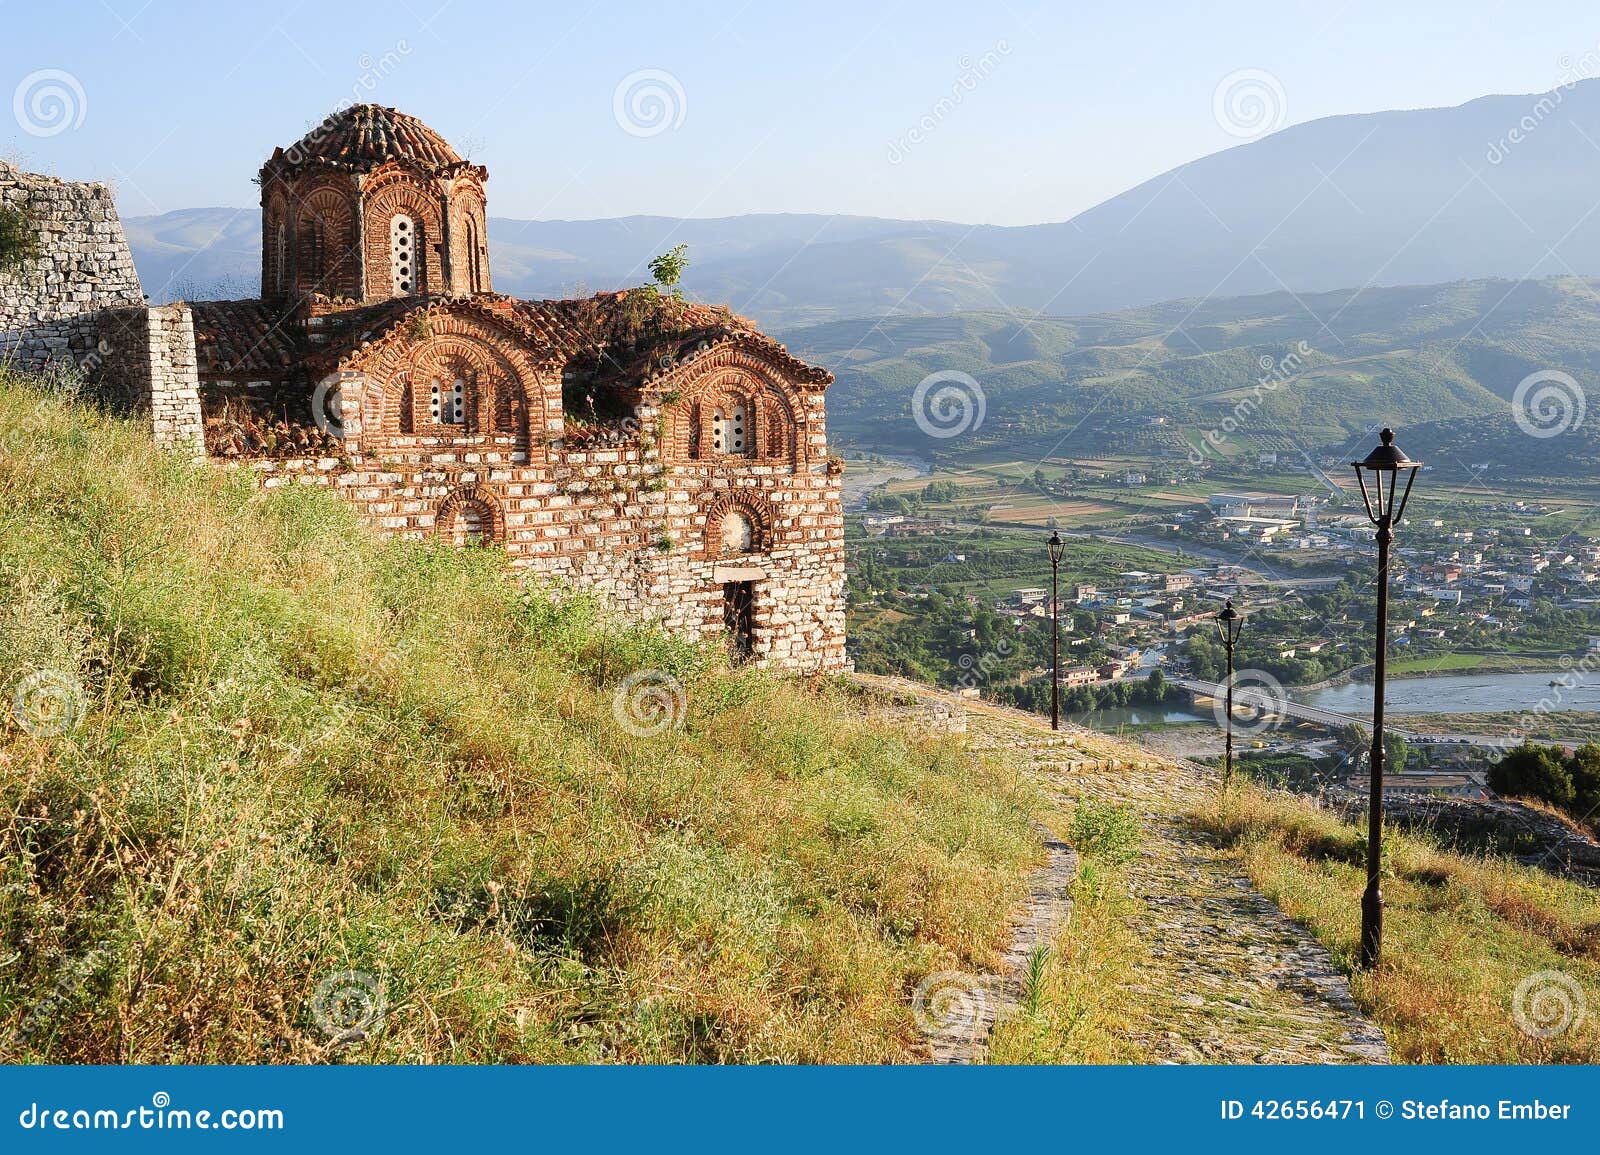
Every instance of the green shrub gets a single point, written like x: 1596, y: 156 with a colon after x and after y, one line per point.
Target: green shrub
x: 1533, y: 771
x: 1104, y: 830
x: 19, y: 239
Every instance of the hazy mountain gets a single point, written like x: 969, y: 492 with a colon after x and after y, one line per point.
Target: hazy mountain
x: 1156, y: 378
x: 1390, y: 198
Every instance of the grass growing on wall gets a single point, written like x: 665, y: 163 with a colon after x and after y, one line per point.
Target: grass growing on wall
x: 297, y: 761
x: 19, y: 239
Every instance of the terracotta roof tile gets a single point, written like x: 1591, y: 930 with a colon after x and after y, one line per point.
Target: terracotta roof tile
x: 246, y: 339
x: 364, y: 136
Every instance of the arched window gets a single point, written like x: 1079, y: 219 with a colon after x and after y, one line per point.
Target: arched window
x: 468, y: 518
x: 447, y: 403
x: 736, y: 526
x: 738, y: 533
x: 403, y: 245
x: 313, y: 253
x: 275, y: 253
x: 728, y: 424
x: 474, y: 266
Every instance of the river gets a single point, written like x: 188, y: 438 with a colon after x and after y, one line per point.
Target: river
x: 861, y: 477
x: 1460, y: 694
x: 1418, y: 694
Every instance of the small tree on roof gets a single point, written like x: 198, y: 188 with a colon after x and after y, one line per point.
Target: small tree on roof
x: 667, y: 269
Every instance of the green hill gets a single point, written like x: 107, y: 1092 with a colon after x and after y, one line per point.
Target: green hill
x: 1315, y: 369
x: 260, y: 772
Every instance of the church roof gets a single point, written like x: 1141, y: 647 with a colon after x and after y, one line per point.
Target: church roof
x: 246, y: 339
x: 364, y: 136
x: 612, y: 345
x: 617, y: 342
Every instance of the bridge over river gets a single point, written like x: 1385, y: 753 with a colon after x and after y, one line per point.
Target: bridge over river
x: 1279, y: 705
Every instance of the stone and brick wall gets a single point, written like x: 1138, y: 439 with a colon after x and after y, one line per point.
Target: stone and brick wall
x: 49, y: 306
x: 643, y: 534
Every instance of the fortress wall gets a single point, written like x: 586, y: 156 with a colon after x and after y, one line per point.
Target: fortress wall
x: 48, y: 305
x: 77, y: 306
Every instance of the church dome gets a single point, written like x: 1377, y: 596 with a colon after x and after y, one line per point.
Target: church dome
x: 364, y: 136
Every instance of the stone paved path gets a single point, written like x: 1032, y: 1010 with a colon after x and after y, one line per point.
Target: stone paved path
x: 1231, y: 978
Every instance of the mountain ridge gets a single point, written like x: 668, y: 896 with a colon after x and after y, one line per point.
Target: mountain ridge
x: 1413, y: 196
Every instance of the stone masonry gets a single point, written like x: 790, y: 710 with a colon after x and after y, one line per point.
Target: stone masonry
x: 77, y: 307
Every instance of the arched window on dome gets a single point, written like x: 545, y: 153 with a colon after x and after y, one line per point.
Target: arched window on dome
x: 280, y: 256
x: 313, y: 253
x: 474, y: 259
x: 403, y: 246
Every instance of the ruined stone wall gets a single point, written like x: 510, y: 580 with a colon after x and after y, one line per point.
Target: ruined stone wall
x: 174, y: 397
x: 48, y: 306
x: 643, y: 536
x: 77, y: 305
x: 144, y: 365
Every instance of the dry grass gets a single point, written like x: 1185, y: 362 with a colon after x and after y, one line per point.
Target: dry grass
x: 1083, y: 1006
x: 304, y: 751
x: 1461, y: 933
x: 1082, y: 1002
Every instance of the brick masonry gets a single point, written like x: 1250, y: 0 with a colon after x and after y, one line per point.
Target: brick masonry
x: 664, y: 455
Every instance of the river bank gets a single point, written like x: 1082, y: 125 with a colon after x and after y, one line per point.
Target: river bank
x: 862, y: 475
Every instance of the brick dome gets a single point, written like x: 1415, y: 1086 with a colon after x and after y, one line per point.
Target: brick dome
x: 364, y: 136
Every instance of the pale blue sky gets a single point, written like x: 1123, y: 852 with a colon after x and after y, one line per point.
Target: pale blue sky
x: 794, y: 107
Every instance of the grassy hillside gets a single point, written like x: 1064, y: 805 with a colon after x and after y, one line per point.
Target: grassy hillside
x: 1336, y: 363
x: 253, y: 749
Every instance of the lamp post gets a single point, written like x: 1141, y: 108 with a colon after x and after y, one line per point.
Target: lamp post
x: 1230, y: 623
x: 1056, y: 546
x: 1384, y: 465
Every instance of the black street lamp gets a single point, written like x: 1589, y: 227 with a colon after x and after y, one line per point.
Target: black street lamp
x: 1385, y: 464
x: 1057, y: 546
x: 1230, y: 623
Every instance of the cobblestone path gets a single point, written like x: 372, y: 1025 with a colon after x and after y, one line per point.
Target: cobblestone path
x: 1231, y: 978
